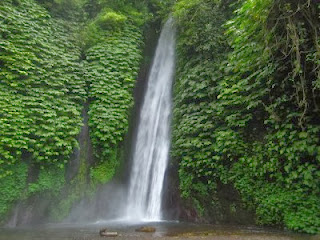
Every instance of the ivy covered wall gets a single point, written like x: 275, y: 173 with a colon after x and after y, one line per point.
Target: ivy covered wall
x: 55, y: 58
x: 246, y: 108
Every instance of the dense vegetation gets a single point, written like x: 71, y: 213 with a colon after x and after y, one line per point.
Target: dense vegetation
x: 57, y: 56
x: 111, y: 68
x: 41, y: 97
x: 246, y: 101
x: 247, y: 112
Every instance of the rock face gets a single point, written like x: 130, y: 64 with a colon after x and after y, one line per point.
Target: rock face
x: 146, y: 229
x: 172, y: 204
x: 223, y: 207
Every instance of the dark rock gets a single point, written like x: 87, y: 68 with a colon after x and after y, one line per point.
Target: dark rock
x: 224, y: 206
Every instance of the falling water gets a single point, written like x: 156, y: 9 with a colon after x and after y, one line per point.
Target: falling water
x: 150, y: 157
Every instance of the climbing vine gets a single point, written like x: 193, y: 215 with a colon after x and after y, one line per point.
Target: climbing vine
x: 111, y: 66
x: 251, y: 118
x: 41, y: 94
x: 55, y: 57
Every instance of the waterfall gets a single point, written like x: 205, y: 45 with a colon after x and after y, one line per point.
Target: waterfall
x: 151, y: 150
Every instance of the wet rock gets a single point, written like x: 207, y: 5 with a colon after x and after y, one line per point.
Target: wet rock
x: 146, y: 229
x: 105, y: 233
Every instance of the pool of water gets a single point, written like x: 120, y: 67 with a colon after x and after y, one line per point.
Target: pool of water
x: 164, y: 230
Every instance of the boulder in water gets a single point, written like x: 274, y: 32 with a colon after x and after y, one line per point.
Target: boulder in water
x: 104, y: 233
x: 146, y: 229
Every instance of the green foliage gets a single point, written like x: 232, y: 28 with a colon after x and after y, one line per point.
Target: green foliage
x: 200, y: 49
x: 49, y: 179
x: 41, y: 97
x: 134, y: 11
x: 12, y: 187
x: 109, y: 19
x: 111, y: 68
x: 160, y: 9
x: 251, y: 118
x: 67, y: 9
x: 104, y: 172
x: 60, y: 211
x: 277, y: 117
x: 76, y: 189
x: 184, y: 7
x: 44, y: 84
x: 41, y: 91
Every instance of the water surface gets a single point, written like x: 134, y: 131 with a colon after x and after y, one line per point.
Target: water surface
x: 164, y: 230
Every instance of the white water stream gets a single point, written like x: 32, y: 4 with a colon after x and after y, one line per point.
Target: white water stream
x: 150, y: 157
